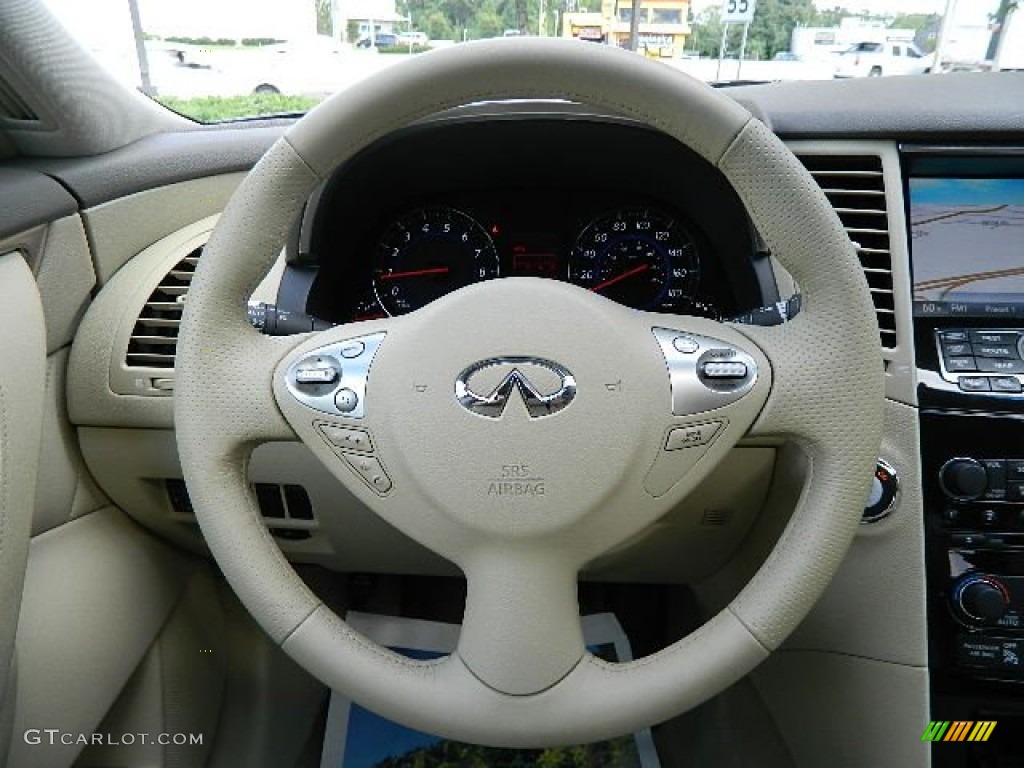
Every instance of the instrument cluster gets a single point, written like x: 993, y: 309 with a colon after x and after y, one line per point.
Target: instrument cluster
x: 643, y: 256
x: 617, y: 209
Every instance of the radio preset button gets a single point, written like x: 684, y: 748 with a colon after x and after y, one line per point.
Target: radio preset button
x: 1015, y: 471
x: 1015, y: 491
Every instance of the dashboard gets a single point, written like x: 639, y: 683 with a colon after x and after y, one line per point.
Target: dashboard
x: 604, y: 204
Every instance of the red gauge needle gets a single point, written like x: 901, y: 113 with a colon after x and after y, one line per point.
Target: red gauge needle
x: 414, y: 273
x: 618, y: 278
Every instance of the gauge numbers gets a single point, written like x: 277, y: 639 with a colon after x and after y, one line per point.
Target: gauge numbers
x: 638, y: 257
x: 427, y: 253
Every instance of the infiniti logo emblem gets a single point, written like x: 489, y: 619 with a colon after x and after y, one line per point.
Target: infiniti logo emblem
x: 548, y: 389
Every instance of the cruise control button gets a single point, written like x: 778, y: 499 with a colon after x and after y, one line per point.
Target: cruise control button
x: 346, y: 400
x: 1005, y: 384
x: 995, y: 350
x: 692, y: 435
x: 724, y: 370
x: 372, y: 472
x: 974, y: 383
x: 989, y: 365
x: 960, y: 364
x: 685, y: 344
x: 348, y: 439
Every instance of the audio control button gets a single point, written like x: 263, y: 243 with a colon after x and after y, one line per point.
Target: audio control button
x: 1015, y: 492
x: 961, y: 364
x: 956, y: 349
x: 1005, y: 384
x: 974, y: 384
x: 992, y: 365
x: 1015, y: 471
x: 993, y: 337
x: 1006, y: 351
x: 963, y: 479
x: 957, y: 336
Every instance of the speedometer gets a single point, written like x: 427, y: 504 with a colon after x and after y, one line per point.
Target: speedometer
x: 639, y: 257
x: 427, y: 253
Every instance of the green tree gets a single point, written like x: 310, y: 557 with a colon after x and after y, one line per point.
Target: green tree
x: 707, y: 32
x: 772, y: 28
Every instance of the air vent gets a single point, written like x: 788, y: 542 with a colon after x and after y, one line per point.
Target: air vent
x: 855, y: 186
x: 12, y: 106
x: 155, y: 335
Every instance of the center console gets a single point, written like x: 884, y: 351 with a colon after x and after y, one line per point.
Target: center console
x: 966, y: 214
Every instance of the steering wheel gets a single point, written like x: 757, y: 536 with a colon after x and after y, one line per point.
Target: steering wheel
x: 521, y: 427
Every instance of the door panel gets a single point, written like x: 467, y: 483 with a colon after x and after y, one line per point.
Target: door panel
x: 22, y: 372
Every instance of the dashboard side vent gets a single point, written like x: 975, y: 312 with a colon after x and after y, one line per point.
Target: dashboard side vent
x: 154, y: 338
x: 855, y: 186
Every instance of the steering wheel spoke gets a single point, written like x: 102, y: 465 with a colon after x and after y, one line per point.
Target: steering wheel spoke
x: 521, y: 631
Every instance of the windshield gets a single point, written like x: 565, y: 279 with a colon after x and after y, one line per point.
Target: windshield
x: 216, y: 60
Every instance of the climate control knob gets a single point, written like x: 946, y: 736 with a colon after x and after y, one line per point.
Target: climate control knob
x: 980, y: 599
x: 963, y: 479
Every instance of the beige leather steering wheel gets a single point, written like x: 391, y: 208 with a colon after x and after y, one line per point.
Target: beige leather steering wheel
x: 522, y: 477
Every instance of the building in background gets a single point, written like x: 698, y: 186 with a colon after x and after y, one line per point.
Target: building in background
x: 663, y: 25
x: 355, y: 19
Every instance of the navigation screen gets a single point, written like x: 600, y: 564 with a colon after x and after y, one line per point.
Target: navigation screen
x: 967, y: 244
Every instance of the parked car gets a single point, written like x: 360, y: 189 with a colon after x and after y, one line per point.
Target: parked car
x: 871, y: 59
x: 381, y: 40
x: 413, y: 38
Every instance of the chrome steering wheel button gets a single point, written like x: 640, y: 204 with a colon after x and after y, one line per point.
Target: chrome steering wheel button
x: 721, y: 374
x: 346, y: 400
x: 319, y: 381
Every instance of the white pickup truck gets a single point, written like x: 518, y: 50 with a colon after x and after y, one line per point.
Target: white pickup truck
x: 872, y: 59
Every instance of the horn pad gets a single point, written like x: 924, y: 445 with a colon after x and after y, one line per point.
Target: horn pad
x: 519, y: 406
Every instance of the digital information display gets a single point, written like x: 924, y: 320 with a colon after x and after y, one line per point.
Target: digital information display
x: 967, y: 247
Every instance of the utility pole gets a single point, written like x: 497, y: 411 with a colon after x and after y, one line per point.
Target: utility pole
x: 944, y: 29
x: 140, y: 48
x: 634, y: 26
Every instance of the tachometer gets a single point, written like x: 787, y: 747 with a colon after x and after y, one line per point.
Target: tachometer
x: 639, y: 257
x: 427, y: 253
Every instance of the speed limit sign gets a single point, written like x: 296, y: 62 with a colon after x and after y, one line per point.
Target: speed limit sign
x: 738, y: 11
